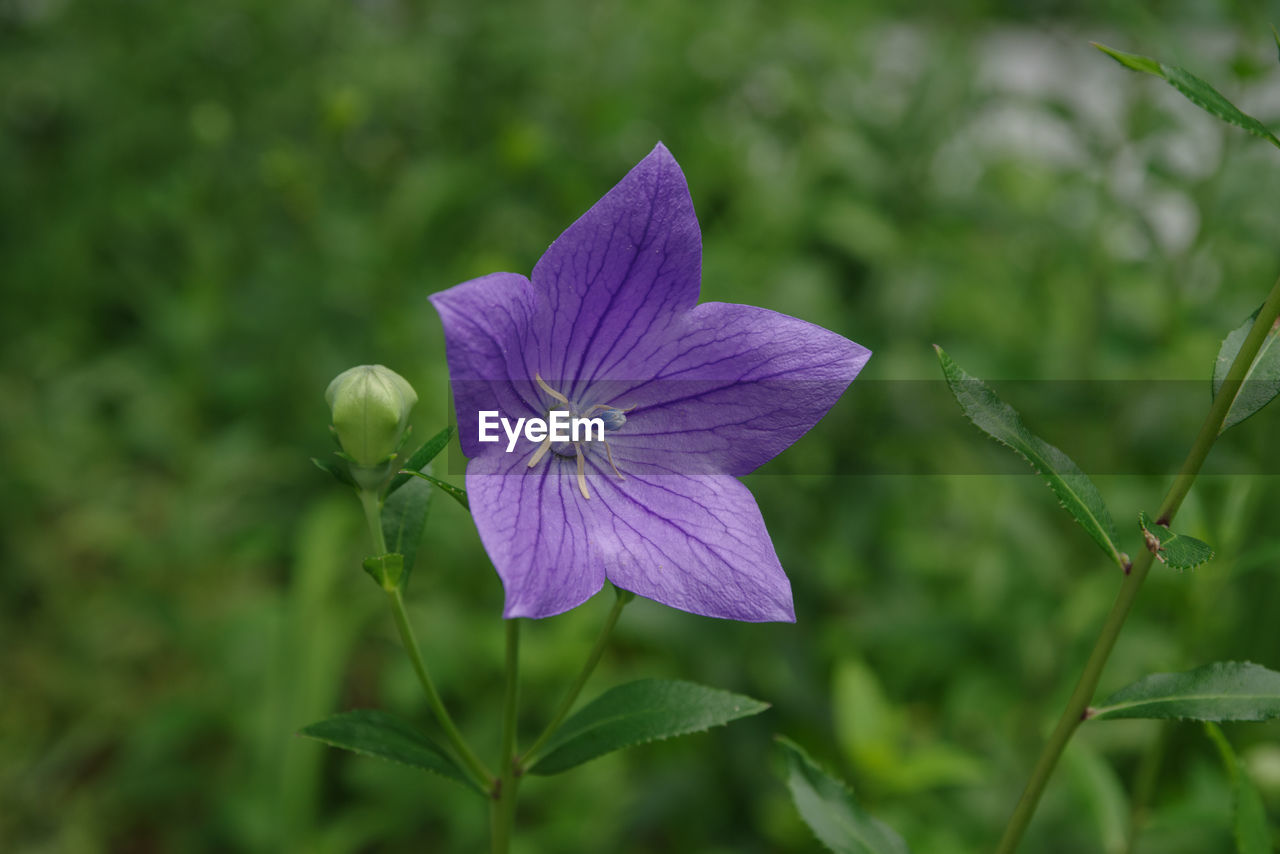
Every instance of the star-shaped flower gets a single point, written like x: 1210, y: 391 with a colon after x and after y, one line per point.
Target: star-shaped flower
x: 690, y: 397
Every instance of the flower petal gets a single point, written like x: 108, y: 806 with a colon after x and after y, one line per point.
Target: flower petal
x: 697, y: 543
x: 537, y: 530
x: 487, y: 332
x: 737, y: 386
x: 618, y: 277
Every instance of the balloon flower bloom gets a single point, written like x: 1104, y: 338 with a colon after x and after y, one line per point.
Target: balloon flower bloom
x: 607, y: 415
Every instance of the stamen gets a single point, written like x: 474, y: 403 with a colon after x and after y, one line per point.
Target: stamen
x: 582, y: 475
x: 549, y: 390
x: 540, y: 453
x: 609, y: 452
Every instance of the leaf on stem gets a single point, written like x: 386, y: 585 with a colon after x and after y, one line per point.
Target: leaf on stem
x: 1222, y: 691
x: 458, y: 495
x: 1251, y: 831
x: 1261, y: 382
x: 1193, y: 89
x: 1001, y: 422
x: 830, y: 810
x: 637, y: 713
x: 1176, y: 550
x: 385, y: 736
x: 404, y: 514
x: 340, y: 472
x: 428, y: 452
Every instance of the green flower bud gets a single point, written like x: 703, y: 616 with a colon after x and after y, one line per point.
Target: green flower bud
x: 370, y: 406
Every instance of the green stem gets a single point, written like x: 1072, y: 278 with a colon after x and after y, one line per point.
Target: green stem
x: 482, y: 776
x: 1077, y: 706
x: 531, y: 757
x: 502, y: 809
x: 372, y: 503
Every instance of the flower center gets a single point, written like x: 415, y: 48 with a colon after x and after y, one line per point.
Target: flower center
x: 610, y: 418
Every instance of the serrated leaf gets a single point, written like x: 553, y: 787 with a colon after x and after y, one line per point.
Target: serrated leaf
x: 1223, y: 691
x: 1194, y: 90
x: 1176, y: 550
x: 1001, y: 422
x: 404, y: 514
x: 1261, y: 382
x: 1250, y: 825
x: 830, y: 810
x: 639, y: 712
x: 385, y: 736
x: 421, y: 457
x: 339, y: 471
x: 458, y: 495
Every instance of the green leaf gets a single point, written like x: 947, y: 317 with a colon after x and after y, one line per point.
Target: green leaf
x: 458, y: 495
x: 1177, y: 550
x: 387, y: 570
x: 384, y: 736
x: 404, y: 514
x: 1277, y: 38
x: 1001, y: 422
x: 1223, y: 691
x: 636, y: 713
x: 1131, y: 60
x: 1100, y: 792
x: 829, y: 808
x: 1261, y: 382
x: 1251, y: 831
x: 873, y: 733
x: 339, y: 471
x: 428, y: 452
x: 1193, y: 89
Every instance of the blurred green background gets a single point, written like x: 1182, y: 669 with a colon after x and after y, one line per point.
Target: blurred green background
x: 209, y: 210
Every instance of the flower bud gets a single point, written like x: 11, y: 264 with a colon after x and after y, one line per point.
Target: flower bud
x: 370, y: 406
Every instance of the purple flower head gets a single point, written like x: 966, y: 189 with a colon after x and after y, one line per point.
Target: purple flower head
x: 683, y: 398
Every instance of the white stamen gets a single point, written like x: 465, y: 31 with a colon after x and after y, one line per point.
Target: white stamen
x: 540, y: 453
x: 549, y: 390
x: 582, y: 476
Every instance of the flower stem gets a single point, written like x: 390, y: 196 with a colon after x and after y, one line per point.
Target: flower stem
x: 373, y: 516
x: 530, y: 757
x: 1077, y: 706
x: 502, y: 809
x: 482, y: 776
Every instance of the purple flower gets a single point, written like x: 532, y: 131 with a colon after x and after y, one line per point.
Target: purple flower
x: 688, y: 397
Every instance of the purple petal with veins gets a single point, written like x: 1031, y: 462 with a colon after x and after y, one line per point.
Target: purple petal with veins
x: 690, y: 395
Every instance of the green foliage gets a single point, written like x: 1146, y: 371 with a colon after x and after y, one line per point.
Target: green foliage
x: 456, y: 493
x: 1176, y: 550
x: 385, y: 736
x: 404, y: 515
x: 209, y: 210
x: 386, y: 570
x: 1097, y: 786
x: 879, y: 740
x: 1261, y: 382
x: 831, y: 811
x: 1195, y: 90
x: 418, y: 461
x: 1000, y: 421
x: 340, y: 470
x: 1250, y: 826
x: 1223, y: 691
x: 637, y: 713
